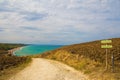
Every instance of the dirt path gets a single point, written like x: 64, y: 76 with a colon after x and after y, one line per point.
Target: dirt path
x: 43, y: 69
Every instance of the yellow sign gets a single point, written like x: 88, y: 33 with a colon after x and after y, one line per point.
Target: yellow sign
x: 106, y: 41
x: 106, y: 46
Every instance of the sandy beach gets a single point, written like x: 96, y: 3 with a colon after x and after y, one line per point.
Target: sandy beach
x: 43, y: 69
x: 11, y: 52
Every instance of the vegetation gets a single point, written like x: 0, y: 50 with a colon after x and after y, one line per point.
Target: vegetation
x: 8, y: 63
x: 89, y: 58
x: 11, y: 61
x: 86, y: 57
x: 5, y: 47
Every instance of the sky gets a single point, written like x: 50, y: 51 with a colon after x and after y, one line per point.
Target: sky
x: 58, y: 21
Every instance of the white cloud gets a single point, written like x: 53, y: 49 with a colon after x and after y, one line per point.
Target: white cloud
x: 57, y: 20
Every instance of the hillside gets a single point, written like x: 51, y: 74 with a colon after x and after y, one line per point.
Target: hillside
x: 4, y: 47
x: 89, y: 58
x: 8, y: 63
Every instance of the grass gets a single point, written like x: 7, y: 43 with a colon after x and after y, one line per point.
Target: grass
x: 7, y: 46
x: 86, y: 57
x: 9, y: 65
x: 7, y: 73
x: 89, y: 58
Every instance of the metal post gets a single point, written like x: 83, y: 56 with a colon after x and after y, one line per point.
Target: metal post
x: 112, y: 59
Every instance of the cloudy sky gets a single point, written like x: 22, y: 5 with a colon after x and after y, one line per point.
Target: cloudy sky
x: 58, y: 21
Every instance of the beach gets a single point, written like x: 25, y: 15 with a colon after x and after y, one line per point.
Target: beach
x: 11, y: 52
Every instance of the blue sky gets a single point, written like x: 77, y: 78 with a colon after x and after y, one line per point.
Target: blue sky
x: 58, y: 21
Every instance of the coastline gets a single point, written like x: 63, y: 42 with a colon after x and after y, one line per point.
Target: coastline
x: 12, y: 51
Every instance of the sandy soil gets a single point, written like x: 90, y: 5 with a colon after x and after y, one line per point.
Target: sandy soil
x: 43, y: 69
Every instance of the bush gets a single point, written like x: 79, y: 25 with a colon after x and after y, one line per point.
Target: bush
x: 11, y: 61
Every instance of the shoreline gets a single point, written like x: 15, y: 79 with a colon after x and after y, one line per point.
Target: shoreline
x: 12, y: 51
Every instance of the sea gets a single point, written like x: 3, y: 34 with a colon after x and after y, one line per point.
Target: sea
x: 35, y: 49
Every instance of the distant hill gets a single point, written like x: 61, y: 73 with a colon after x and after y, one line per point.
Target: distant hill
x: 4, y: 47
x: 89, y: 57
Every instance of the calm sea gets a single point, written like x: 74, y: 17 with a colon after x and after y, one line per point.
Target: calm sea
x: 35, y: 49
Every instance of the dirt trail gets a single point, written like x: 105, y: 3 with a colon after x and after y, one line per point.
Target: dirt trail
x: 43, y: 69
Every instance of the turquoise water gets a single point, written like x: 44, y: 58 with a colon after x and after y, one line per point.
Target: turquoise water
x: 35, y: 49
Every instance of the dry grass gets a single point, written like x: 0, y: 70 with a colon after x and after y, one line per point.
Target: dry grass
x: 7, y: 73
x: 89, y: 58
x: 9, y: 65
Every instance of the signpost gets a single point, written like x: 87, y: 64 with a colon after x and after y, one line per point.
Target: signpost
x: 106, y: 45
x: 106, y: 41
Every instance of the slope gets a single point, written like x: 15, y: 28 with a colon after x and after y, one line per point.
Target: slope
x: 90, y: 58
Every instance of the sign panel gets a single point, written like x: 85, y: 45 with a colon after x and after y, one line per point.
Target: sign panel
x: 106, y: 41
x: 106, y: 46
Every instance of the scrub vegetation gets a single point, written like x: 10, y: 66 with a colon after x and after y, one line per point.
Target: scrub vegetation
x: 89, y: 58
x: 10, y: 64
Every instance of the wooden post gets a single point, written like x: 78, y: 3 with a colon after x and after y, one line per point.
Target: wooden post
x: 106, y: 45
x: 106, y: 60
